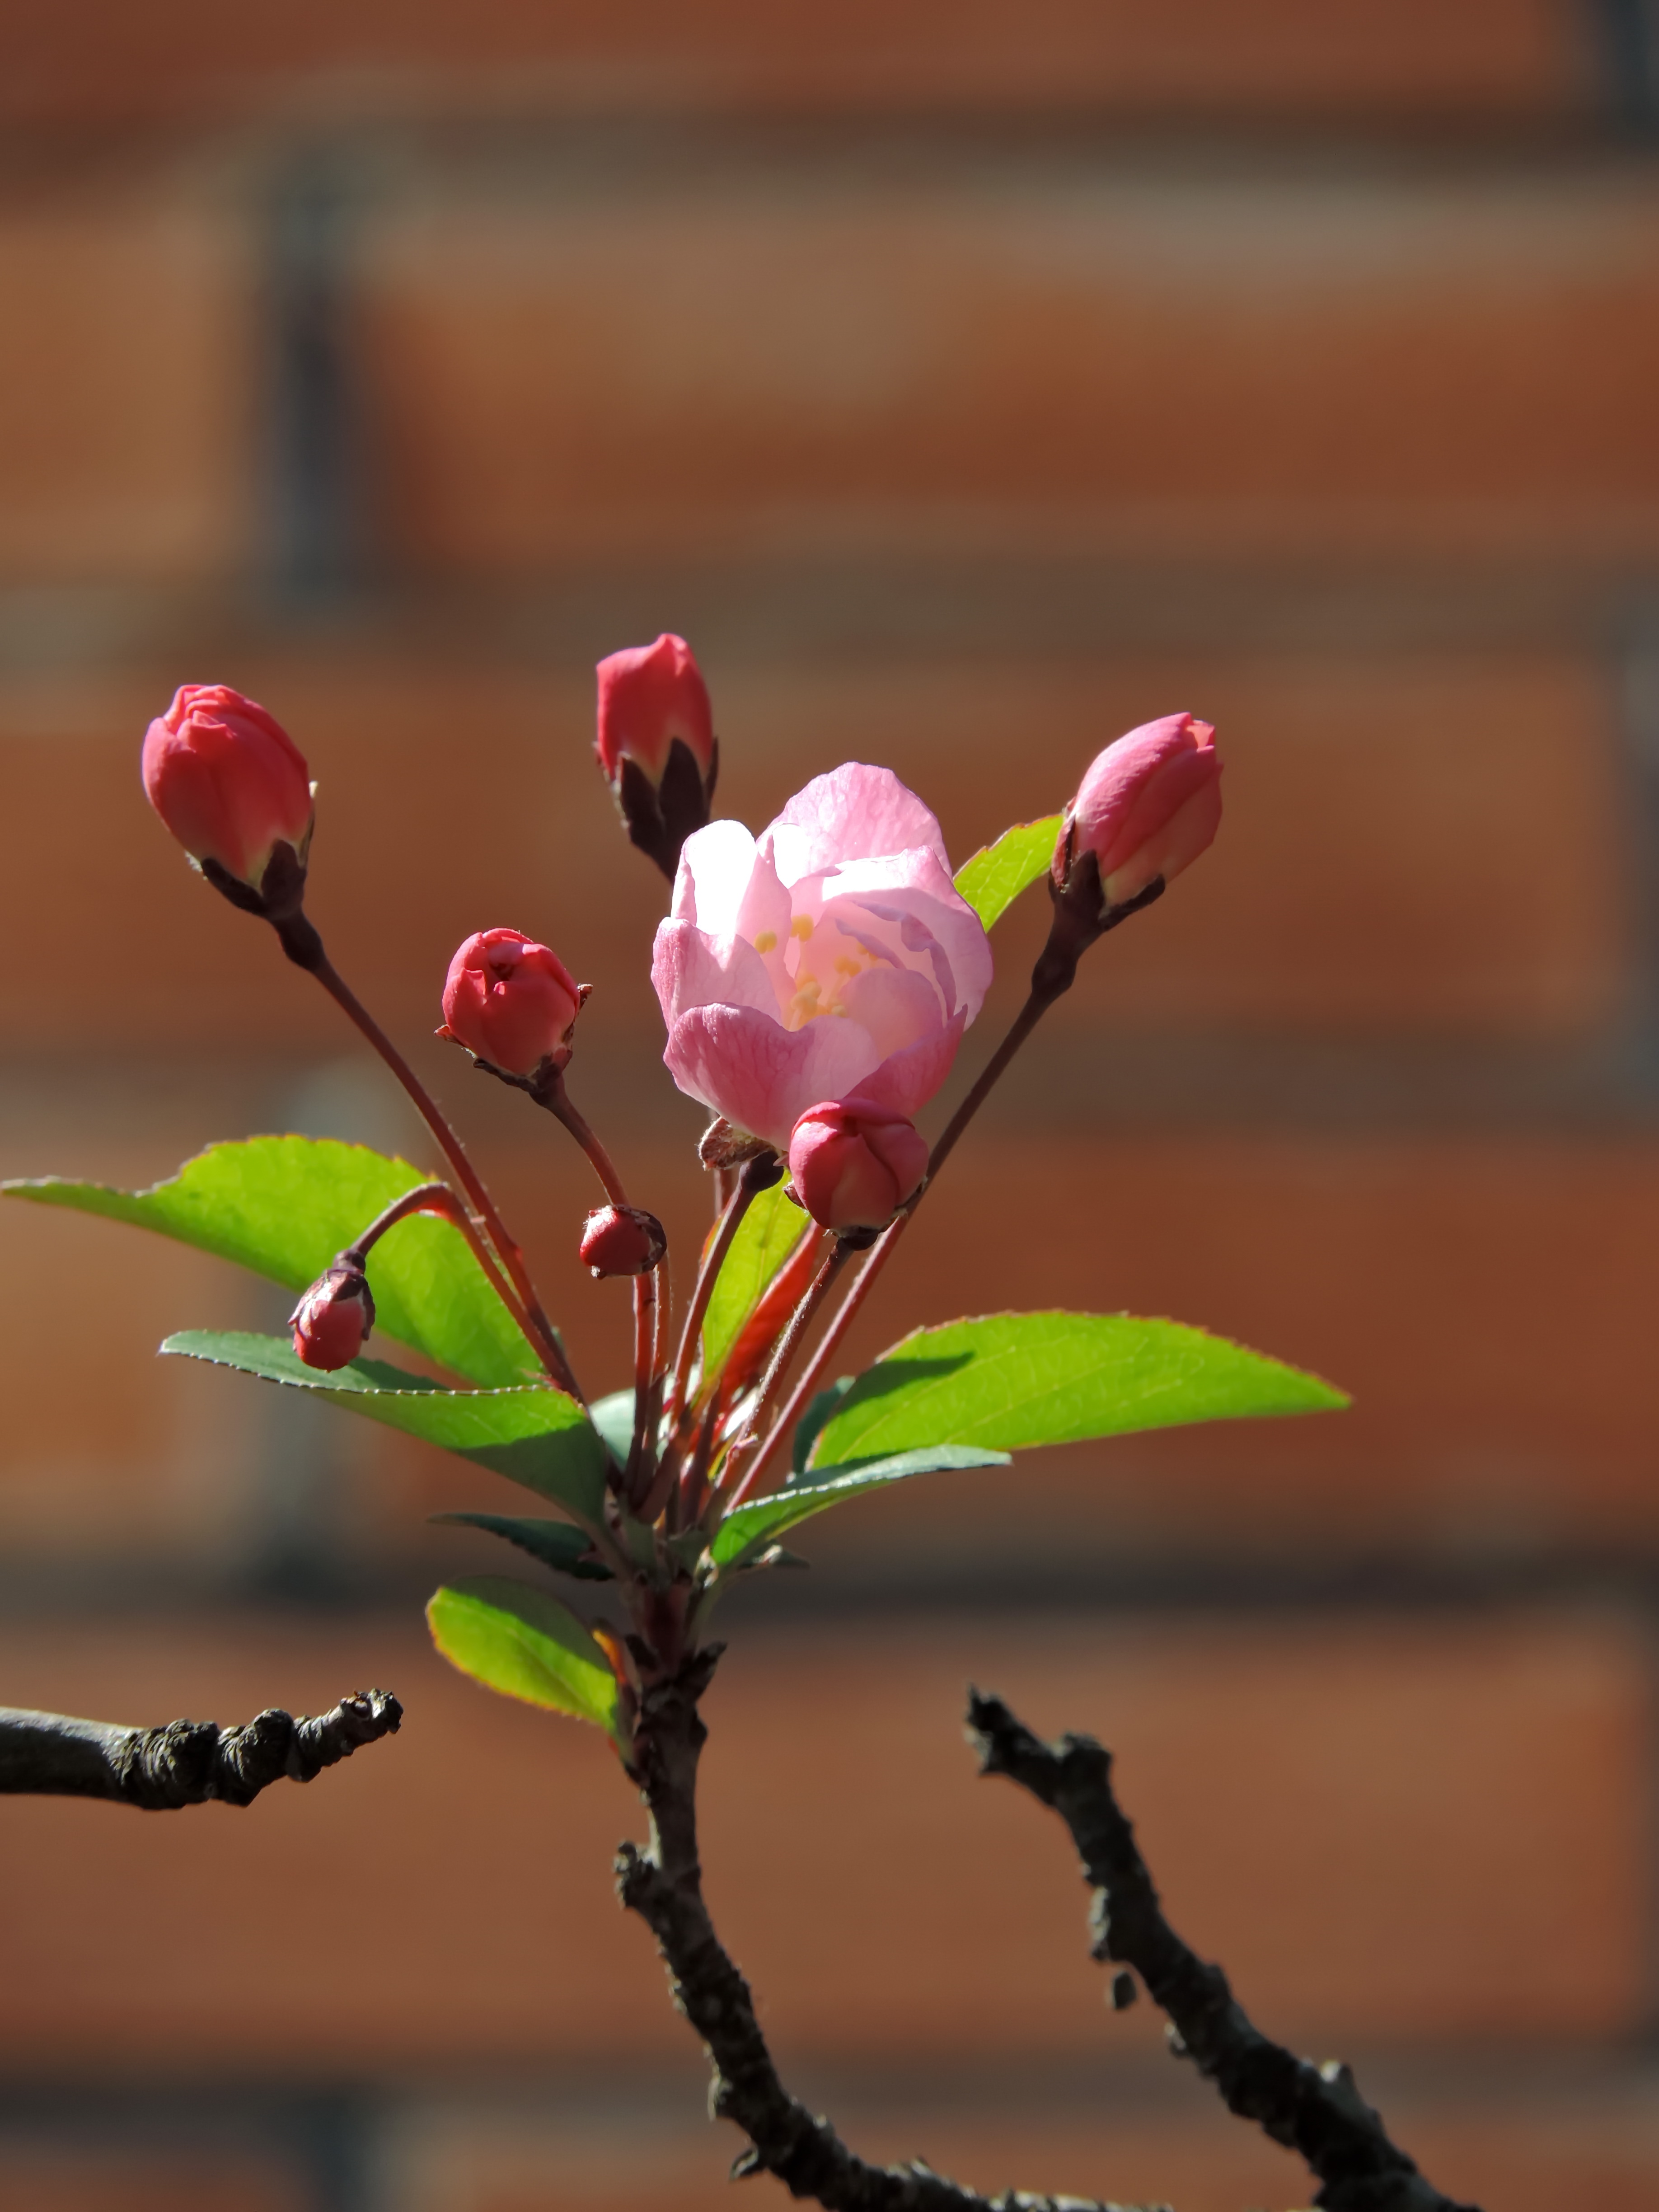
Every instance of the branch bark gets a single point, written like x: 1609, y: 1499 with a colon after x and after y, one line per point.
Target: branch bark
x: 663, y: 1885
x: 185, y: 1762
x: 1316, y: 2110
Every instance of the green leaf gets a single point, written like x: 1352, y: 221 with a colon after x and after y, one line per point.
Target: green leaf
x: 996, y: 875
x: 751, y: 1526
x: 522, y: 1642
x: 1013, y: 1380
x: 810, y: 1423
x: 613, y: 1417
x: 285, y: 1205
x: 534, y: 1435
x: 555, y: 1543
x: 767, y: 1235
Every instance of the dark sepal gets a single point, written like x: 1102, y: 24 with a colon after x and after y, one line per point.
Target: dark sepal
x: 1081, y: 915
x: 659, y: 817
x: 280, y: 900
x: 723, y: 1145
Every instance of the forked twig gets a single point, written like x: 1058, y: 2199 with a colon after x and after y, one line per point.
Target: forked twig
x: 1316, y: 2110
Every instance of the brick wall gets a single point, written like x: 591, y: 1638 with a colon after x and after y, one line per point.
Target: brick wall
x: 968, y: 386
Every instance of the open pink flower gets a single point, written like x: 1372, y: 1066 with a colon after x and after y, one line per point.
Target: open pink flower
x: 832, y: 957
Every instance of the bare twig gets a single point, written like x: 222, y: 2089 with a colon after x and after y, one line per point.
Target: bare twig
x: 1316, y: 2110
x: 185, y: 1762
x: 663, y: 1885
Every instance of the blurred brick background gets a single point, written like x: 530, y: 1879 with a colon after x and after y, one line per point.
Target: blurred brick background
x: 967, y: 383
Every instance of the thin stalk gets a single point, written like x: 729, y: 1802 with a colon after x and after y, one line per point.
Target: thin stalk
x: 801, y: 1396
x: 750, y: 1186
x: 510, y: 1257
x: 438, y: 1198
x: 552, y: 1094
x: 799, y: 1321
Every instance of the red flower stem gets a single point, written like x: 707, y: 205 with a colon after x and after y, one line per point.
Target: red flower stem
x: 696, y: 1475
x: 750, y: 1183
x: 437, y: 1198
x: 512, y: 1258
x: 801, y: 1396
x: 789, y: 1344
x: 549, y: 1092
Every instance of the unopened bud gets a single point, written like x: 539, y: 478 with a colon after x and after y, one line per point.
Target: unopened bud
x: 510, y: 1001
x: 234, y: 788
x: 332, y: 1322
x: 1148, y: 805
x: 853, y: 1164
x: 656, y: 744
x: 622, y: 1240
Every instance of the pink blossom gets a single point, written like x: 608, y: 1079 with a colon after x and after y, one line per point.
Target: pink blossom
x: 622, y: 1240
x: 1147, y: 806
x: 832, y: 957
x: 332, y: 1322
x: 228, y: 780
x: 853, y: 1164
x: 649, y: 695
x: 509, y: 1001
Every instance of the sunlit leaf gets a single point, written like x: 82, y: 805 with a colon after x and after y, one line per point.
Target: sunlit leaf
x: 522, y: 1642
x: 534, y: 1435
x: 613, y: 1417
x: 751, y: 1528
x: 767, y: 1233
x: 996, y: 875
x: 285, y: 1205
x: 1007, y: 1381
x: 811, y: 1421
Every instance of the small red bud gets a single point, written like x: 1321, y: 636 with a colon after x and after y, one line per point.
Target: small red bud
x: 332, y: 1321
x: 622, y: 1240
x: 510, y: 1001
x: 656, y: 744
x: 232, y: 787
x: 853, y: 1164
x: 1148, y: 805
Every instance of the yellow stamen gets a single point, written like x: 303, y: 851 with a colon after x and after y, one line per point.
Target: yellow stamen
x: 801, y: 927
x: 847, y: 966
x: 767, y: 941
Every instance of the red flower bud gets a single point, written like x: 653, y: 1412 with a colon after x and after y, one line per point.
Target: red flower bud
x: 1147, y: 807
x: 656, y: 744
x: 622, y: 1240
x: 510, y: 1001
x: 853, y: 1164
x: 332, y: 1321
x: 231, y: 785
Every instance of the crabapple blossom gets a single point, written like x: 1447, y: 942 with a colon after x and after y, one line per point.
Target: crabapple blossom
x: 831, y: 957
x: 509, y: 1001
x: 332, y: 1322
x: 656, y: 744
x: 853, y: 1164
x: 1147, y: 806
x: 622, y: 1240
x: 228, y: 781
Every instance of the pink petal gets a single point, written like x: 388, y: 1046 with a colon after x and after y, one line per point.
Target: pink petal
x: 691, y: 969
x: 928, y: 894
x: 895, y: 1006
x: 761, y: 1076
x: 906, y: 1080
x: 853, y: 813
